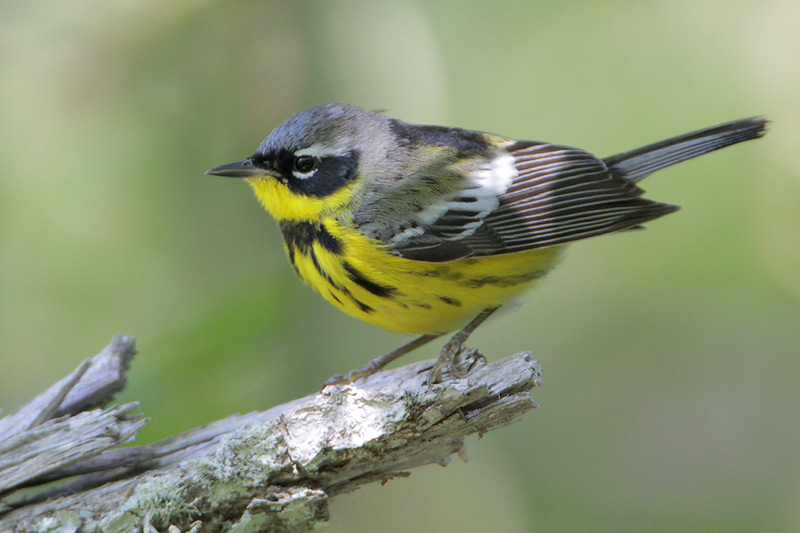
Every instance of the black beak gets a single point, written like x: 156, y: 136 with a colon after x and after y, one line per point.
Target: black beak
x: 239, y: 169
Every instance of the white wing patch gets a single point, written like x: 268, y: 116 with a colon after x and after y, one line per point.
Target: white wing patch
x: 481, y: 196
x: 462, y: 213
x: 497, y: 174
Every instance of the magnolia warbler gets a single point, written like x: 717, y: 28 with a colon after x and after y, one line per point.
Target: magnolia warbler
x: 428, y: 229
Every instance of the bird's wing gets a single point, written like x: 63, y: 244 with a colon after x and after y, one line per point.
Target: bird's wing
x: 527, y: 195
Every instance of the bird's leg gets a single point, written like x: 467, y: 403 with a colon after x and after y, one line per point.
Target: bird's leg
x: 456, y: 344
x: 379, y: 362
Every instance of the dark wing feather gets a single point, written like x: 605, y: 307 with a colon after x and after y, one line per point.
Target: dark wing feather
x: 564, y: 194
x: 559, y: 195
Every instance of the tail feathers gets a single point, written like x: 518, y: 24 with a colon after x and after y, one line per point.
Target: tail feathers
x: 640, y: 163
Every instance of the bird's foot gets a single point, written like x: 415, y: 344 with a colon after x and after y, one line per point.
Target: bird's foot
x: 457, y: 360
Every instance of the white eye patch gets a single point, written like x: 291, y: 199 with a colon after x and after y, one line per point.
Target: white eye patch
x: 299, y: 174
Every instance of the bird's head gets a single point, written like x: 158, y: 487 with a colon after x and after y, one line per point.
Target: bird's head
x: 313, y: 164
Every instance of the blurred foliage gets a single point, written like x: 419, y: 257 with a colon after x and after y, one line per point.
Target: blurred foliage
x: 670, y: 355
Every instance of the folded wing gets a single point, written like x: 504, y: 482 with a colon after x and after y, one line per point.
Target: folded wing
x: 530, y: 195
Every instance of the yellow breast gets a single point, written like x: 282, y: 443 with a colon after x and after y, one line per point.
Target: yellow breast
x: 358, y: 276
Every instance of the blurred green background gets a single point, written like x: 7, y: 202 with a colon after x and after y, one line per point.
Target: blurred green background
x: 671, y: 398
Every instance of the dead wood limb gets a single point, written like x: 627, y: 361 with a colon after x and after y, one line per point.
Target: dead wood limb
x: 263, y: 471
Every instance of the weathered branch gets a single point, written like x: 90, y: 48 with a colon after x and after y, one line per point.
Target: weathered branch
x: 263, y: 471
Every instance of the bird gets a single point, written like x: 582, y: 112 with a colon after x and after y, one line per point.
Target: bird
x: 426, y: 230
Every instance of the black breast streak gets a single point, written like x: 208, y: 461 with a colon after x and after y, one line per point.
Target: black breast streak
x: 506, y: 281
x: 290, y: 252
x: 303, y: 235
x: 450, y: 301
x: 443, y: 272
x: 364, y: 307
x: 344, y: 290
x: 383, y: 291
x: 324, y: 274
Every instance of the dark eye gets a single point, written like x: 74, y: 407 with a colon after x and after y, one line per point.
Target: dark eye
x: 304, y: 163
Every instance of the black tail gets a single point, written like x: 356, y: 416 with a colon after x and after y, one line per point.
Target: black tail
x: 640, y: 163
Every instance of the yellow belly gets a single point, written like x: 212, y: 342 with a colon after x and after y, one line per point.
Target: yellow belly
x: 411, y: 296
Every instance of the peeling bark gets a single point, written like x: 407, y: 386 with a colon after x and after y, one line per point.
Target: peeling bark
x: 272, y: 470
